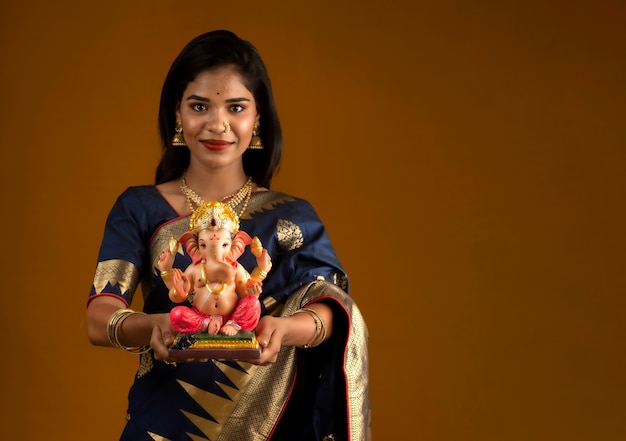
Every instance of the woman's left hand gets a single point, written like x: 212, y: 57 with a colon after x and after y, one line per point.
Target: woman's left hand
x: 270, y: 333
x: 296, y: 330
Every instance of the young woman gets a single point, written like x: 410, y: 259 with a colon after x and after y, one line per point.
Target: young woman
x: 222, y: 141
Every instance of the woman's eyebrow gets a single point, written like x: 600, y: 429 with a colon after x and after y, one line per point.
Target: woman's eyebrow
x: 237, y: 100
x: 206, y: 100
x: 197, y: 98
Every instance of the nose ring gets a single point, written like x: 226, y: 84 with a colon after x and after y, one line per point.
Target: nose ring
x: 226, y: 128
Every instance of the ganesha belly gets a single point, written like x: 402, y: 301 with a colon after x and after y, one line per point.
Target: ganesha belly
x: 224, y: 296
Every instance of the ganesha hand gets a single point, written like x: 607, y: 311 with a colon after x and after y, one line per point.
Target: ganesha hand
x: 264, y: 261
x: 256, y: 247
x: 180, y: 284
x: 254, y: 287
x: 166, y: 260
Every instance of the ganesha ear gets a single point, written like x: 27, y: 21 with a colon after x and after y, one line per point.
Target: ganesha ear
x: 244, y: 237
x: 238, y: 246
x: 186, y: 236
x: 188, y: 239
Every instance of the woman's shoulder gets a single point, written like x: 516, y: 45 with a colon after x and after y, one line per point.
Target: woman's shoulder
x: 142, y: 198
x: 139, y: 191
x: 141, y: 194
x: 142, y: 208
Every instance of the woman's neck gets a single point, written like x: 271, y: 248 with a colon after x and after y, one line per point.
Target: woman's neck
x: 215, y: 185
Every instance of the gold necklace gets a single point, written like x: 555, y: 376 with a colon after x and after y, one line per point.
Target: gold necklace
x: 232, y: 200
x: 203, y: 276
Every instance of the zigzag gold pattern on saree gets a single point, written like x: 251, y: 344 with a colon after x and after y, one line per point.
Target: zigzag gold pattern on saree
x: 116, y: 272
x: 265, y: 201
x: 160, y: 240
x: 156, y: 437
x: 272, y: 306
x: 218, y: 407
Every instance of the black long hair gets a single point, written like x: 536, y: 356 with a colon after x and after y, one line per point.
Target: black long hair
x: 206, y: 52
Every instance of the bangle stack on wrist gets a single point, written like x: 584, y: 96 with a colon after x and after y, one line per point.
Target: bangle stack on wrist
x: 113, y: 326
x: 320, y: 327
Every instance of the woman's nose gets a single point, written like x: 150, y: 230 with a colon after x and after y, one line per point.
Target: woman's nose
x: 215, y: 122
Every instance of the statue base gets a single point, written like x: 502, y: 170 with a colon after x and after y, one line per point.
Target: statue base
x: 241, y: 346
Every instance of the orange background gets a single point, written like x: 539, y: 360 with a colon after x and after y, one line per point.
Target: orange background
x: 467, y: 158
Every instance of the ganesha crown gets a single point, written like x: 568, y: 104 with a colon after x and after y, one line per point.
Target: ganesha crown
x: 214, y: 215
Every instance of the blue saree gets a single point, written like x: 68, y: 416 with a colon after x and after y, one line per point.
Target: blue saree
x: 313, y: 394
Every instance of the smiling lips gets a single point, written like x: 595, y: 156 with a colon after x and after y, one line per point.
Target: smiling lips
x: 216, y: 144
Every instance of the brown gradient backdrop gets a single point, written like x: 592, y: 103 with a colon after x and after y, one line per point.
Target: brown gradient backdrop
x: 467, y: 158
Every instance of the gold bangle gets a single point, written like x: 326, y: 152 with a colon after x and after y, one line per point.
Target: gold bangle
x: 166, y: 275
x: 258, y: 273
x: 174, y: 297
x: 113, y: 326
x: 320, y: 327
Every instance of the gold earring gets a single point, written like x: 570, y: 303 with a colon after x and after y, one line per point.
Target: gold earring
x: 178, y: 139
x: 255, y: 142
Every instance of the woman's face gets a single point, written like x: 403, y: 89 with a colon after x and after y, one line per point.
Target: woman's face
x: 217, y: 113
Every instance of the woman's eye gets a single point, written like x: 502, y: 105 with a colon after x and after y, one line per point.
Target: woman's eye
x: 198, y: 107
x: 237, y: 108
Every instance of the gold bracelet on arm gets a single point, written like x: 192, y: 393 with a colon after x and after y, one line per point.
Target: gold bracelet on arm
x: 320, y: 327
x: 113, y: 326
x: 258, y: 273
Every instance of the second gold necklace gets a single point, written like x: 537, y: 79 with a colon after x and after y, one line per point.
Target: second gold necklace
x: 233, y: 200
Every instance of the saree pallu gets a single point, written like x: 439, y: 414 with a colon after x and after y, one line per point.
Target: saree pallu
x: 308, y: 394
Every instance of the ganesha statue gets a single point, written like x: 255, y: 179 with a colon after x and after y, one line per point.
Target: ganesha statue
x: 224, y: 296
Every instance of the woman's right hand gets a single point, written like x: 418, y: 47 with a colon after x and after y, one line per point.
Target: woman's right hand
x: 163, y: 334
x: 135, y: 331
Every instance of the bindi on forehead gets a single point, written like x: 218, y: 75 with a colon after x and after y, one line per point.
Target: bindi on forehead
x: 223, y: 89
